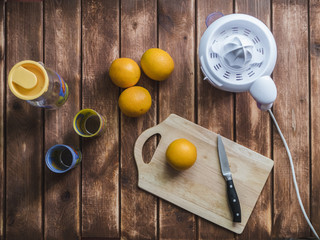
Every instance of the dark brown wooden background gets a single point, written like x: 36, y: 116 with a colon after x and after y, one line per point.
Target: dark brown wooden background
x: 100, y: 198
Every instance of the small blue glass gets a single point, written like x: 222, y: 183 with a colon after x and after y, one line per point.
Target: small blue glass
x: 61, y: 158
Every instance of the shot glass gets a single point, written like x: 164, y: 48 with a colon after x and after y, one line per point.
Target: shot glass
x: 61, y: 158
x: 88, y: 123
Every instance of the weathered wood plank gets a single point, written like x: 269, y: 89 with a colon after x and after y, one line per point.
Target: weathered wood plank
x: 63, y: 54
x: 314, y: 19
x: 100, y: 166
x: 215, y: 107
x: 177, y: 95
x: 2, y: 118
x: 24, y: 128
x: 138, y: 208
x: 290, y: 28
x: 253, y: 131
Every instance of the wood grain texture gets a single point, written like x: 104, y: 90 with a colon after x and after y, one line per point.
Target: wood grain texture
x: 2, y: 118
x: 138, y: 208
x: 202, y: 189
x: 92, y: 209
x: 290, y: 28
x: 100, y: 165
x: 215, y: 107
x: 177, y: 95
x: 314, y: 18
x: 24, y: 128
x: 253, y: 131
x: 63, y: 55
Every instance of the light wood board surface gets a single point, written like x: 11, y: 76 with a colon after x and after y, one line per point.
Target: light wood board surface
x: 202, y: 188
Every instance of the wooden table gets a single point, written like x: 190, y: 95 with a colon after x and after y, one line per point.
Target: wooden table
x: 100, y: 198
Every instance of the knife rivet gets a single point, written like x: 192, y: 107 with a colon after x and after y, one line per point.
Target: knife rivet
x: 230, y: 186
x: 234, y: 200
x: 237, y: 214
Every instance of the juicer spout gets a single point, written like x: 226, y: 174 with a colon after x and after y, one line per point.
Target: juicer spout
x: 212, y: 17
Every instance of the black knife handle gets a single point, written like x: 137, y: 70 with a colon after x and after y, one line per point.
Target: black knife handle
x: 233, y: 201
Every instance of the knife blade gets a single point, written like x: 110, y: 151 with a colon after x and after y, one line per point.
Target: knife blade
x: 231, y: 191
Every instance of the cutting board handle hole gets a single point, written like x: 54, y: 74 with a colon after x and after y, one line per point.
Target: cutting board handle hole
x: 149, y: 147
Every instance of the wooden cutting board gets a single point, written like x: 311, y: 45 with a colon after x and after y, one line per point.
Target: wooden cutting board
x: 202, y: 189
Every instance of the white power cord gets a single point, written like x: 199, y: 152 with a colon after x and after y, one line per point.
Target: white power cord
x: 293, y: 173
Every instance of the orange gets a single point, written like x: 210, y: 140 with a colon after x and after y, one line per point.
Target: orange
x: 157, y: 64
x: 181, y: 154
x: 135, y: 101
x: 124, y: 72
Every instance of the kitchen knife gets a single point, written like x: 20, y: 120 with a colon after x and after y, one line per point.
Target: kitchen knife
x: 231, y: 191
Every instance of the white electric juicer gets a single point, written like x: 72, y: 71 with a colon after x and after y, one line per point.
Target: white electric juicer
x: 237, y: 54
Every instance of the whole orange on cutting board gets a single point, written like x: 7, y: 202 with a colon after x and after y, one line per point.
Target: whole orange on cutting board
x: 124, y: 72
x: 157, y: 64
x: 135, y: 101
x: 181, y: 154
